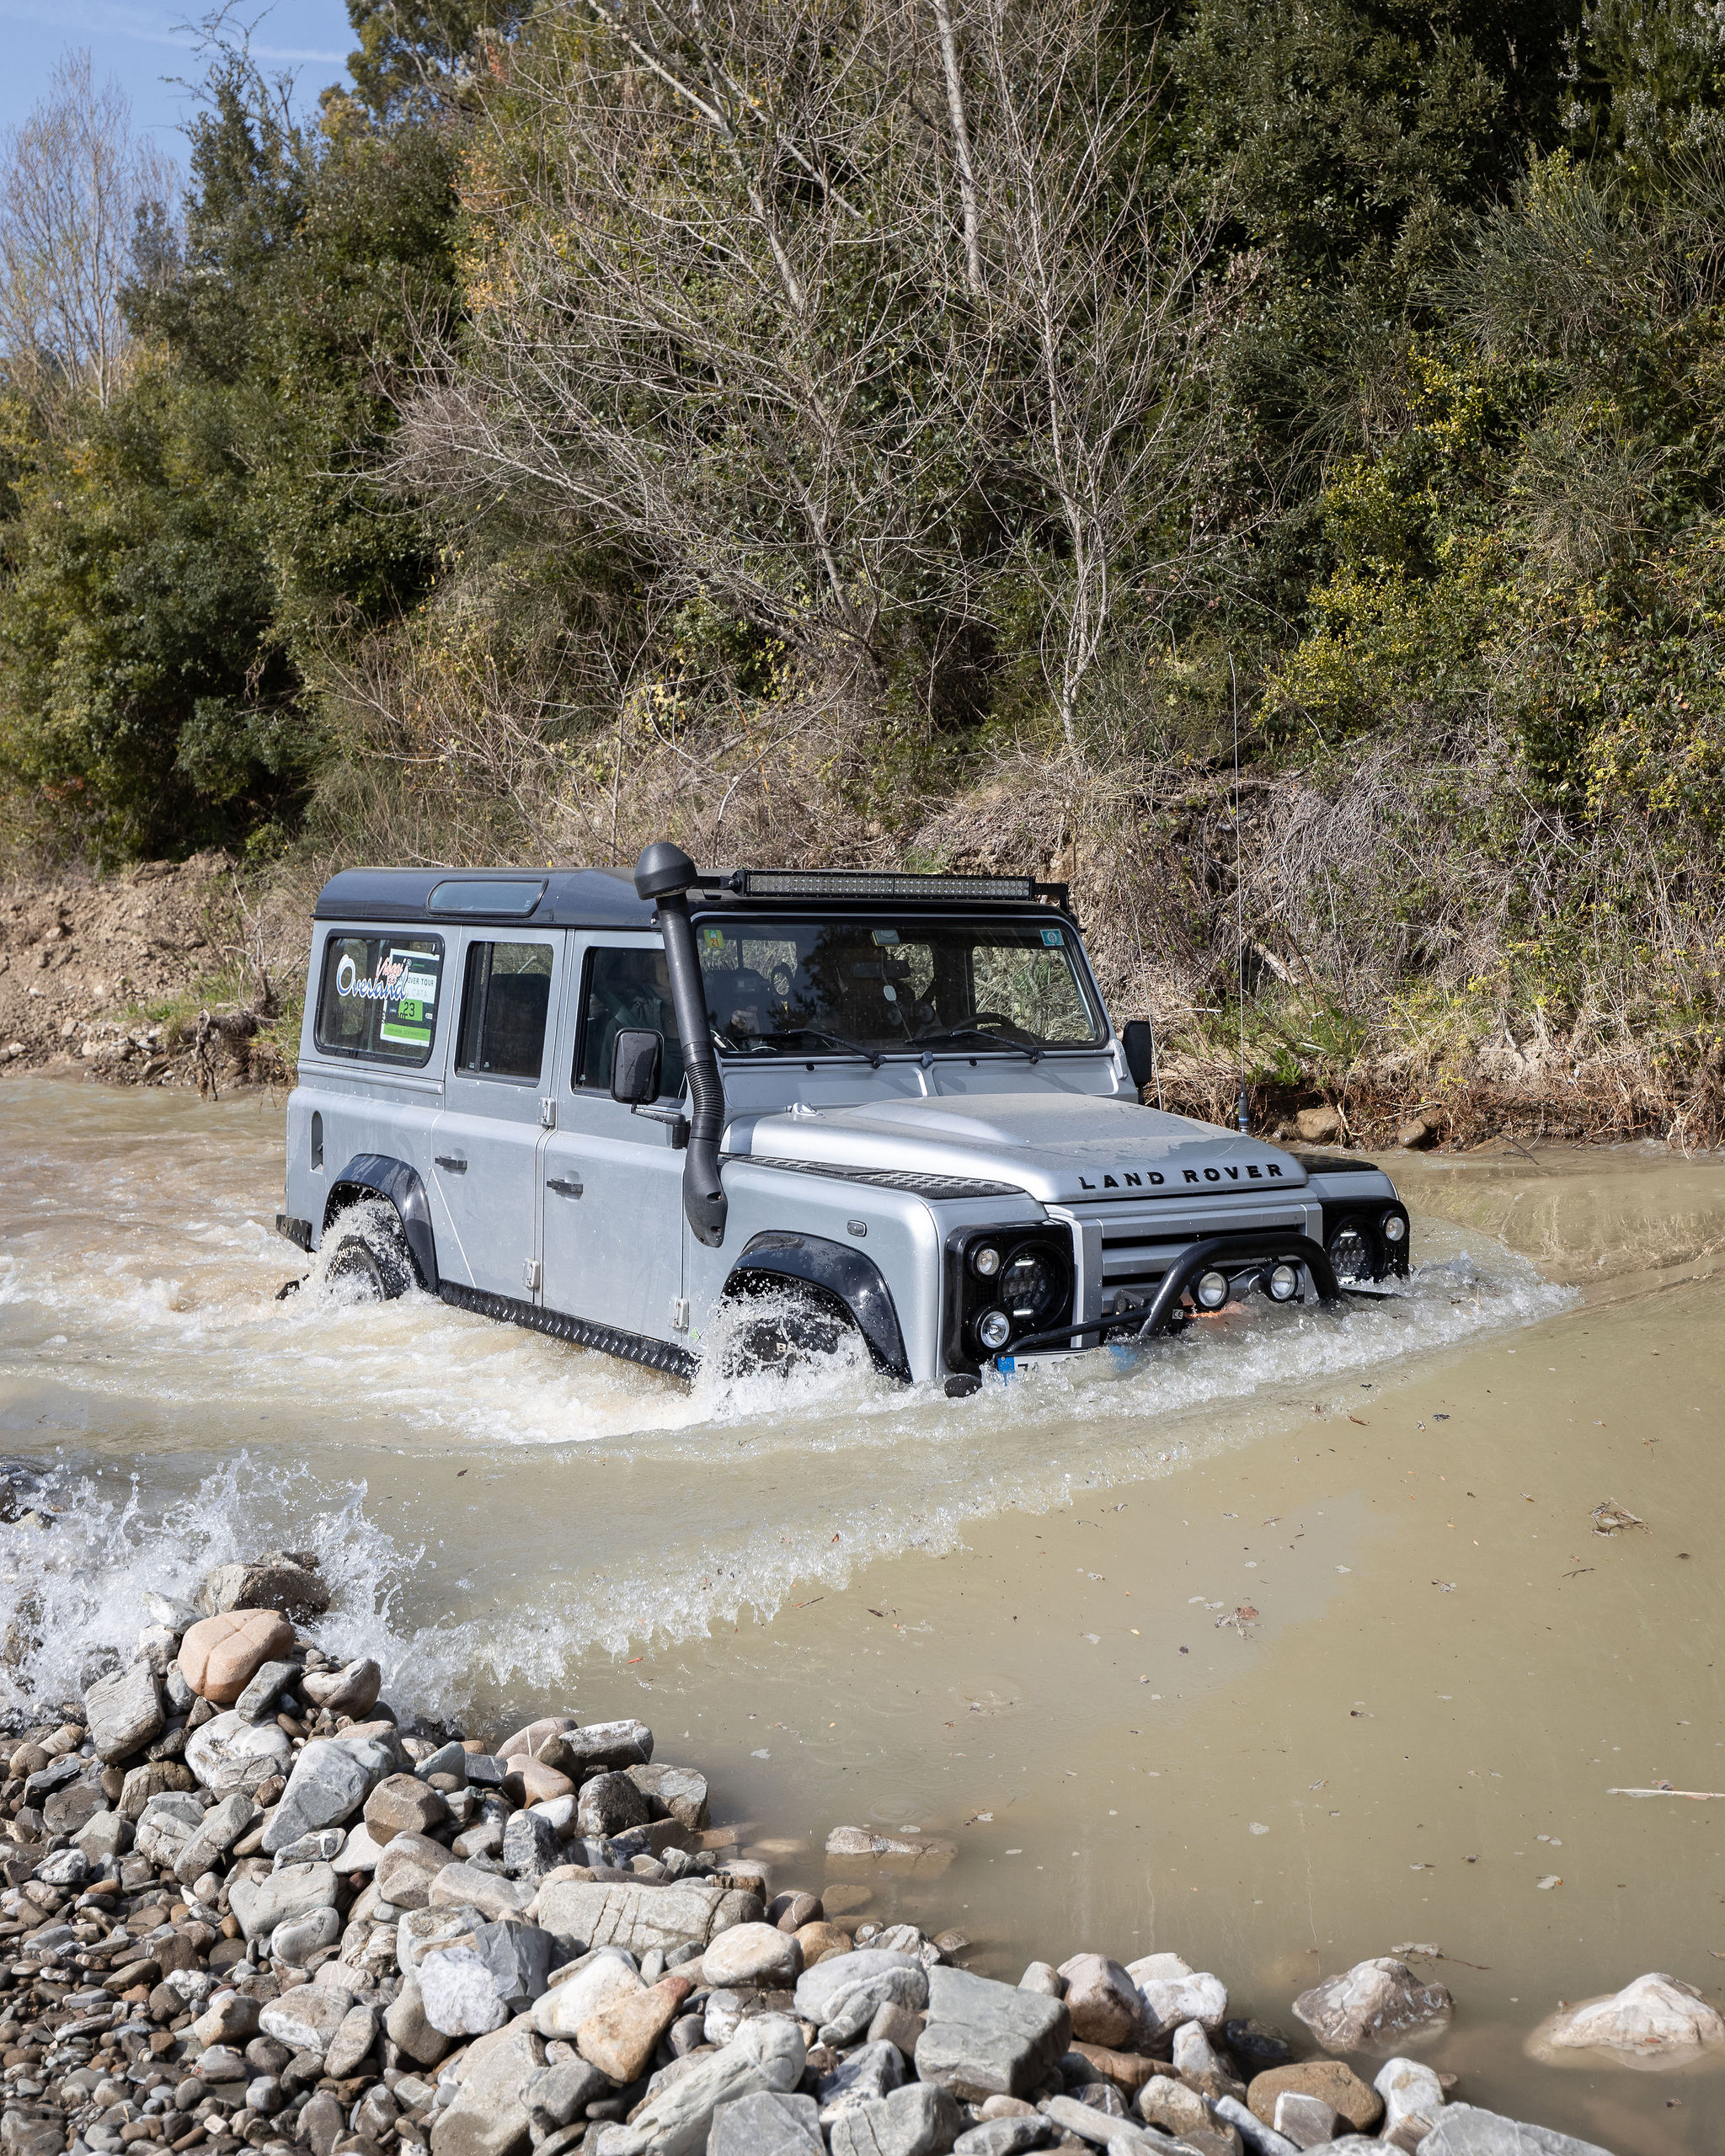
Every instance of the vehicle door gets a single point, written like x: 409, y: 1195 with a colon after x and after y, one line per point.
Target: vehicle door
x: 613, y: 1179
x: 496, y: 1101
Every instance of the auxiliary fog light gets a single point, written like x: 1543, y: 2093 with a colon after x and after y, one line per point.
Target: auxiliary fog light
x: 985, y: 1261
x: 1395, y: 1227
x: 1211, y: 1291
x: 1284, y: 1283
x: 994, y: 1329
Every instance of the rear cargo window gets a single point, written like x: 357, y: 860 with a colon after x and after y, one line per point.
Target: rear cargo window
x: 379, y: 997
x: 506, y: 1002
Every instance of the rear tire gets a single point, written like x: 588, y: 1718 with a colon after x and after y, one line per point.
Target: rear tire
x: 372, y: 1254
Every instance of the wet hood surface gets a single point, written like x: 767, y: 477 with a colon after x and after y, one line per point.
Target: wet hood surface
x: 1058, y: 1146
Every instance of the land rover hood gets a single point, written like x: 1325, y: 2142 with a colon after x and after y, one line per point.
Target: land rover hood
x: 1060, y: 1147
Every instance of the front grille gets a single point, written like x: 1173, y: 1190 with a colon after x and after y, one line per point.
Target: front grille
x: 1127, y: 1249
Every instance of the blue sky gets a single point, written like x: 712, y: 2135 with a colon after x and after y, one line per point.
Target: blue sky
x: 140, y: 44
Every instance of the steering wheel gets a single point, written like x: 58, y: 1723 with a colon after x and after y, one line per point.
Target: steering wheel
x: 993, y: 1018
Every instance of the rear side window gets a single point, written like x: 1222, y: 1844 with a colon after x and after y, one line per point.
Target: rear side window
x: 379, y: 997
x: 505, y: 1004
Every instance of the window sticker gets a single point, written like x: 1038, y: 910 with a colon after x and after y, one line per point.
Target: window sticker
x: 713, y: 942
x: 886, y: 935
x: 1054, y: 937
x: 411, y: 997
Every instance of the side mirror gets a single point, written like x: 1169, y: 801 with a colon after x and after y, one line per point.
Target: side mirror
x: 636, y: 1054
x: 1138, y: 1044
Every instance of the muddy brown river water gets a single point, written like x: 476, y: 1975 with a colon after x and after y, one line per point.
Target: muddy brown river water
x: 1279, y: 1648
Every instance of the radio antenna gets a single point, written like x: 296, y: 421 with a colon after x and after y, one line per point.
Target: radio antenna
x: 1243, y: 1109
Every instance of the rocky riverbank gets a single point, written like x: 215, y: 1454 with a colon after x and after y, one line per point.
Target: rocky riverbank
x: 246, y: 1905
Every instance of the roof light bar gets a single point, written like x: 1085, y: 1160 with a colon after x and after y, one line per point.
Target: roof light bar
x: 843, y: 883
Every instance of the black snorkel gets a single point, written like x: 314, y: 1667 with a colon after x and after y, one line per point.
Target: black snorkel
x: 663, y: 874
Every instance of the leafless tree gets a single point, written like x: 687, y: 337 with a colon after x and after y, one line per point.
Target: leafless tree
x: 73, y: 178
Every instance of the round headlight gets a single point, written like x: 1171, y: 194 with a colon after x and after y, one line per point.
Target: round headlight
x: 1284, y: 1283
x: 1395, y: 1227
x: 985, y: 1261
x: 1029, y: 1285
x: 994, y: 1329
x: 1212, y: 1290
x: 1351, y: 1252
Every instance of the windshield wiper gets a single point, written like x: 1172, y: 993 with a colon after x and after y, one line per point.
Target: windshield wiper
x: 838, y: 1040
x: 974, y: 1034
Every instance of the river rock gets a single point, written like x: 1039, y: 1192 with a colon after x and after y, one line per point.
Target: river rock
x: 167, y: 1824
x: 611, y: 1804
x: 1307, y: 2122
x: 230, y: 1755
x: 766, y: 2124
x: 222, y: 1827
x: 531, y: 1781
x: 307, y: 2018
x: 267, y: 1685
x: 1170, y: 2105
x: 687, y: 1912
x: 757, y: 1953
x: 676, y: 1793
x: 402, y: 1803
x: 863, y: 2076
x: 519, y: 1956
x: 68, y: 1867
x: 1465, y: 2131
x: 1371, y: 2002
x: 351, y: 1691
x: 1413, y: 2096
x: 531, y: 1845
x: 843, y: 1994
x: 985, y: 2038
x: 285, y: 1580
x: 458, y: 1994
x: 764, y: 2056
x: 623, y: 2035
x: 1103, y: 2000
x: 1003, y: 2137
x: 295, y: 1940
x: 529, y: 1742
x: 1327, y: 2079
x: 602, y: 1747
x: 157, y: 1778
x: 556, y: 2094
x: 125, y: 1711
x: 261, y: 1904
x: 917, y: 2121
x: 1172, y: 1993
x: 1196, y: 2062
x: 102, y: 1835
x: 331, y: 1780
x: 1654, y: 2013
x: 220, y: 1655
x: 406, y: 2026
x: 409, y: 1862
x: 464, y: 1886
x: 488, y: 2116
x: 604, y: 1978
x: 355, y: 2033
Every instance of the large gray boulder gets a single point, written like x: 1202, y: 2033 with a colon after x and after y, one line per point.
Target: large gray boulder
x: 261, y: 1904
x: 281, y: 1579
x: 331, y: 1780
x: 863, y: 2076
x: 687, y: 1912
x: 678, y: 1793
x: 766, y: 2057
x: 125, y: 1711
x: 842, y: 1996
x: 986, y: 2039
x: 307, y: 2018
x: 168, y: 1822
x: 766, y: 2124
x: 488, y: 2116
x: 1463, y: 2130
x: 601, y: 1747
x: 222, y: 1827
x: 1372, y: 2003
x: 231, y: 1754
x: 917, y: 2121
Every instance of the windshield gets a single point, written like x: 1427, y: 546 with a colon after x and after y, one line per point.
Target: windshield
x: 837, y: 987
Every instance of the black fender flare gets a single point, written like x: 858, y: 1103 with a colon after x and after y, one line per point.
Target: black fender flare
x: 849, y: 1275
x: 376, y: 1175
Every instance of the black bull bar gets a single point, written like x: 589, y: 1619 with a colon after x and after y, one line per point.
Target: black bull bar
x: 1229, y: 1254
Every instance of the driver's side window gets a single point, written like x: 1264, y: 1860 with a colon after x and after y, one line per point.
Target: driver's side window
x: 626, y: 987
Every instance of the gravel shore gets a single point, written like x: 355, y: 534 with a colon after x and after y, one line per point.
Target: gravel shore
x: 246, y: 1904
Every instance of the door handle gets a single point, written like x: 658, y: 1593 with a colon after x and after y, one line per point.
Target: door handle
x: 565, y: 1186
x: 449, y: 1160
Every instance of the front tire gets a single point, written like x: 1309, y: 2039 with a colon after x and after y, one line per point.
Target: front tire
x: 796, y: 1331
x: 369, y: 1254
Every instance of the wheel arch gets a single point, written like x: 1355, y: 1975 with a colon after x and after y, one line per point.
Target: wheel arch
x: 398, y: 1184
x: 850, y: 1278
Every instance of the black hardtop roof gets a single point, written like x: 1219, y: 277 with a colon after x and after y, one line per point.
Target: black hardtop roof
x: 601, y: 897
x: 574, y: 898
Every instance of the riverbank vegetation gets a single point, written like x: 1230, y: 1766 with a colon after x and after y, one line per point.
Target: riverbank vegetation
x: 946, y: 434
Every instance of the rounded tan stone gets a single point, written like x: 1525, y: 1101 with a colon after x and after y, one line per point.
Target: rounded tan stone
x: 1337, y: 2085
x: 220, y: 1655
x: 818, y: 1940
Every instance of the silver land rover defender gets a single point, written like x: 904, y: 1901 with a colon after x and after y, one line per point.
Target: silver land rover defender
x: 631, y: 1112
